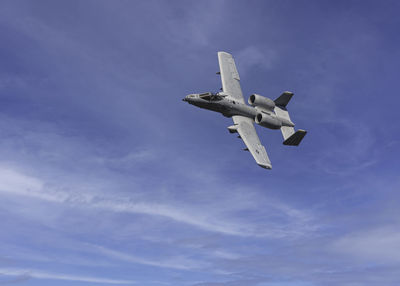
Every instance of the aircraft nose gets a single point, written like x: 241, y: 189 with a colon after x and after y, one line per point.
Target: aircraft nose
x: 187, y: 98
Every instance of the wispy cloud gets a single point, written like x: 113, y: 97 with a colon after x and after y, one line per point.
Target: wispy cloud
x: 355, y: 152
x: 16, y: 183
x: 179, y: 262
x: 15, y: 280
x: 377, y: 245
x: 253, y: 56
x: 34, y: 273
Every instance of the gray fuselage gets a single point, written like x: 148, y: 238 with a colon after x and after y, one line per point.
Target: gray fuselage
x: 221, y: 104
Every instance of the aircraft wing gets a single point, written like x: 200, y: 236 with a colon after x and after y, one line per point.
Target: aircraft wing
x: 230, y: 77
x: 247, y: 132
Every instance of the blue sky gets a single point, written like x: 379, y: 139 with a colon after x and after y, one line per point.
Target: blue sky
x: 108, y: 178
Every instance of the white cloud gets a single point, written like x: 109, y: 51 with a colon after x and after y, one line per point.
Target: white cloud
x: 16, y: 182
x: 379, y: 245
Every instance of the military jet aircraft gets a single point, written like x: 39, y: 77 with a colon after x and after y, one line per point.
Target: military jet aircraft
x: 263, y: 111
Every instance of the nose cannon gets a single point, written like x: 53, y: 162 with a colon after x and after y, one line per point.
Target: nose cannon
x: 189, y: 97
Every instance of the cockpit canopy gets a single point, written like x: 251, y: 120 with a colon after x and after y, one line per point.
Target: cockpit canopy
x: 210, y: 96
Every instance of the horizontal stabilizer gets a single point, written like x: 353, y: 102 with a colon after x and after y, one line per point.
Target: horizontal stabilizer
x: 295, y: 138
x: 284, y: 99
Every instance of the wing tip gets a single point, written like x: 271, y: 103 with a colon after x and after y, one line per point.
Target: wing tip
x: 265, y: 166
x: 224, y: 53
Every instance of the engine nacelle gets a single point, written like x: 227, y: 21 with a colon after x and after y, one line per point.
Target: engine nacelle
x: 261, y: 101
x: 268, y: 121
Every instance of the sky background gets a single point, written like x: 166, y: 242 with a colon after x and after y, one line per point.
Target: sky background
x: 108, y: 178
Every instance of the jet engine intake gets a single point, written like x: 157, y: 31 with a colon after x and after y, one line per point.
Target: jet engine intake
x: 268, y: 121
x: 261, y: 101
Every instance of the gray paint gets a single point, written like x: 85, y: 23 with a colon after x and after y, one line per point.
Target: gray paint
x: 264, y: 111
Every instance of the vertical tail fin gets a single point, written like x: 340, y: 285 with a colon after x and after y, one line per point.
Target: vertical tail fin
x: 295, y: 138
x: 290, y: 136
x: 284, y: 99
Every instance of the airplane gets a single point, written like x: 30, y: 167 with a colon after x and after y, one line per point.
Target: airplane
x: 263, y: 111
